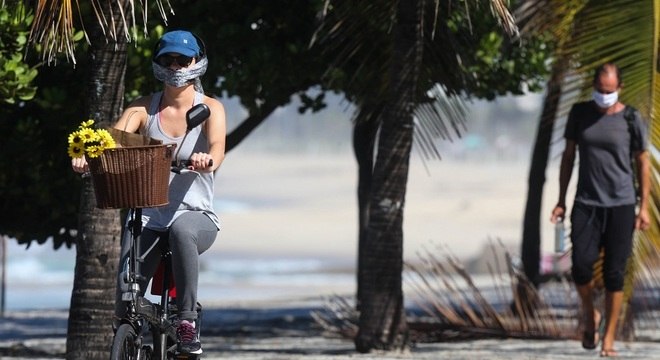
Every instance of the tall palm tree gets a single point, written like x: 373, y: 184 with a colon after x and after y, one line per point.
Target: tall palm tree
x: 531, y: 235
x: 626, y: 32
x: 97, y: 246
x: 382, y: 318
x: 389, y: 91
x: 531, y: 243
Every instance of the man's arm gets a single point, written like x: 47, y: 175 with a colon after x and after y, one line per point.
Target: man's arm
x: 565, y: 173
x: 644, y: 178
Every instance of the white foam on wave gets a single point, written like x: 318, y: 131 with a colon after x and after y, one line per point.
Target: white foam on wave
x: 38, y: 271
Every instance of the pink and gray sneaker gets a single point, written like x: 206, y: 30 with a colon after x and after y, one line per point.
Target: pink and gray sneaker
x: 188, y: 338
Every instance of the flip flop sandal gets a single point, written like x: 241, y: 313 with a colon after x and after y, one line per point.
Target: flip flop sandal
x: 590, y: 340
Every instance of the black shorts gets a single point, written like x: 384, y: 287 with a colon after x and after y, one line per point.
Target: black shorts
x: 594, y: 228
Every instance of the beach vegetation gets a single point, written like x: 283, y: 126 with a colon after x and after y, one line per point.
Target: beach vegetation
x: 16, y: 76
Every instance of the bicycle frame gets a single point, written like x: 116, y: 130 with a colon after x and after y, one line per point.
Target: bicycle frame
x: 140, y: 310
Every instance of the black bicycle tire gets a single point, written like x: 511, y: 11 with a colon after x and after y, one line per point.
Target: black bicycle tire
x: 146, y: 353
x: 124, y: 344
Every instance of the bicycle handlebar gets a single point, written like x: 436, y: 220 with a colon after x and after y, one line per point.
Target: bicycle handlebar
x: 178, y: 166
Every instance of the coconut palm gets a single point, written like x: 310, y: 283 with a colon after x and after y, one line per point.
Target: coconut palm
x: 589, y: 33
x: 531, y: 243
x: 97, y: 244
x: 382, y: 318
x: 392, y: 78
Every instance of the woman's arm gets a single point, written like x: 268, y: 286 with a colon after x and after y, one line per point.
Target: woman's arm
x: 134, y: 117
x: 216, y: 132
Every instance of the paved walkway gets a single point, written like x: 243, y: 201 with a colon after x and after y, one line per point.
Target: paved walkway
x: 290, y: 334
x: 316, y: 348
x: 285, y: 347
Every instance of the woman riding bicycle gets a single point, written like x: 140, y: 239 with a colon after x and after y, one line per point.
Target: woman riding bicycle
x: 188, y: 221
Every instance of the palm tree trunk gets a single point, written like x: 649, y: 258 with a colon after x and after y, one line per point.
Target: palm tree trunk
x: 89, y: 332
x: 382, y: 317
x: 531, y: 241
x: 364, y: 140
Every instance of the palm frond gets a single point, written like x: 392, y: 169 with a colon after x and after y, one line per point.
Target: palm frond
x: 504, y: 17
x: 356, y: 36
x: 427, y: 129
x: 54, y: 27
x: 558, y: 16
x: 449, y: 303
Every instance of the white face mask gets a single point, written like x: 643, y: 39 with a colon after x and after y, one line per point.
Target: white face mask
x: 605, y: 101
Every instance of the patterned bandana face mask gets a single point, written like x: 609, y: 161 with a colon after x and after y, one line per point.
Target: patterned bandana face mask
x: 181, y: 77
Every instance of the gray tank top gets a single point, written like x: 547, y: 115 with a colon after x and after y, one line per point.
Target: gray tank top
x: 188, y: 191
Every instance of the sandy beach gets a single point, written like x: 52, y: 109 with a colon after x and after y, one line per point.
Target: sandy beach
x: 300, y: 205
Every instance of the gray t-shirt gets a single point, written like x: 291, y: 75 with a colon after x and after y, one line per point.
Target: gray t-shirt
x: 605, y: 176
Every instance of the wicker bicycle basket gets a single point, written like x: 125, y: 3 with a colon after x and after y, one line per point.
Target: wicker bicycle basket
x: 132, y: 177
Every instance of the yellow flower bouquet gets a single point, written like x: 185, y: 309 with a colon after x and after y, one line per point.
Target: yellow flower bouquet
x: 86, y: 141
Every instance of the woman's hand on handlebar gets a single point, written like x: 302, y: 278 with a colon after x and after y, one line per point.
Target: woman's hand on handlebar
x: 79, y: 165
x: 197, y: 162
x: 201, y: 162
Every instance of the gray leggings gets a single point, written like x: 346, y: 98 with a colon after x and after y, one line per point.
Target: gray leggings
x: 190, y: 234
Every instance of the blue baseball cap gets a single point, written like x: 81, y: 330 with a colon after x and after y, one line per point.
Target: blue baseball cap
x: 178, y: 41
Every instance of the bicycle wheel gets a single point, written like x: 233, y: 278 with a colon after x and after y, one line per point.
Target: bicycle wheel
x: 146, y: 353
x: 126, y: 344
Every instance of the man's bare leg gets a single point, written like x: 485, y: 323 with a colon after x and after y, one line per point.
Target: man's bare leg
x: 613, y: 303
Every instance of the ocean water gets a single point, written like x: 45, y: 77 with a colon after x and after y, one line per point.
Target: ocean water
x: 41, y: 278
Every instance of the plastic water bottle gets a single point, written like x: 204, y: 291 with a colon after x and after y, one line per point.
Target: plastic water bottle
x: 560, y: 235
